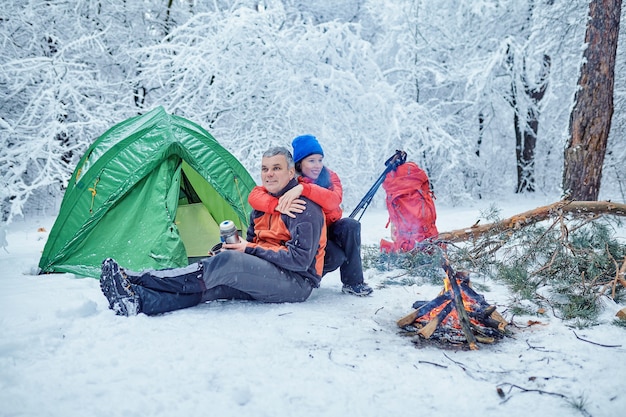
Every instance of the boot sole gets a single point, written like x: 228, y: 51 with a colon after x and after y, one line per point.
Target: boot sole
x: 121, y: 303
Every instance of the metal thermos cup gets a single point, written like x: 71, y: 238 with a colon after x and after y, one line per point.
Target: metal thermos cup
x: 228, y: 232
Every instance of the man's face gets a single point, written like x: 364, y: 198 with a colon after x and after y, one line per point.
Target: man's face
x: 274, y: 173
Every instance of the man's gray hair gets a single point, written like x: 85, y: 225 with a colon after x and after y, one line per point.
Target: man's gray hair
x: 280, y: 150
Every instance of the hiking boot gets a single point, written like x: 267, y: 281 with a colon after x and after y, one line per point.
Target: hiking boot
x: 360, y: 290
x: 117, y: 289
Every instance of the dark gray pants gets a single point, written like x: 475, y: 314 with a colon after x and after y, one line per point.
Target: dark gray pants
x: 227, y: 275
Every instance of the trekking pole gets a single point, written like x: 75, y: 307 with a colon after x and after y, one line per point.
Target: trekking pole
x: 392, y: 163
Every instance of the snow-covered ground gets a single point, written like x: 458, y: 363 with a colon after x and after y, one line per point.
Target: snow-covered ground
x: 64, y: 353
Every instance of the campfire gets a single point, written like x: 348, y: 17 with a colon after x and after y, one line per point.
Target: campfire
x: 458, y: 314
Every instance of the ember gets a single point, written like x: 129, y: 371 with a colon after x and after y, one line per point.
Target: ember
x: 458, y: 314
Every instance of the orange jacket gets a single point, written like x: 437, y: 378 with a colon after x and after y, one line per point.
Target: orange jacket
x: 297, y: 244
x: 327, y: 198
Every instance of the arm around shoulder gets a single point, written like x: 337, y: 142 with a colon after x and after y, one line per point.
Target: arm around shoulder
x: 328, y: 199
x: 261, y: 200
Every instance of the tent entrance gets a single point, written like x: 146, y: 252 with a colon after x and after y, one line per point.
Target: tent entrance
x: 200, y: 211
x: 197, y: 229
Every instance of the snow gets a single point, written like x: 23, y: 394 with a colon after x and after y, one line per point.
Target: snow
x: 64, y: 353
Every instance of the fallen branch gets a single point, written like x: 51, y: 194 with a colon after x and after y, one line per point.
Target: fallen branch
x: 511, y: 386
x: 620, y: 273
x: 620, y: 276
x: 433, y: 363
x: 594, y: 343
x: 534, y: 216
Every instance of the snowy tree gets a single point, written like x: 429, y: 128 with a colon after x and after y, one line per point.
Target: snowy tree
x: 460, y: 59
x: 365, y: 76
x: 52, y: 80
x: 254, y: 79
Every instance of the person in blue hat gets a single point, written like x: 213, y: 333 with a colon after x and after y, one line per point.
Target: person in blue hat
x: 322, y: 186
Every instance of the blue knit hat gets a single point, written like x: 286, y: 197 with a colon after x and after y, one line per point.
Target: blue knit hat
x: 304, y: 146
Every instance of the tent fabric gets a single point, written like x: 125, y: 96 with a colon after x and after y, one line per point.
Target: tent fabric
x: 122, y: 199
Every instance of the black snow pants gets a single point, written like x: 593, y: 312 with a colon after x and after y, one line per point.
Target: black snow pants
x: 343, y: 250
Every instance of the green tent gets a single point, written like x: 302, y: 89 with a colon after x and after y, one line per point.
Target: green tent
x: 150, y: 193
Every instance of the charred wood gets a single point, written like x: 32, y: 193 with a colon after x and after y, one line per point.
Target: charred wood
x: 460, y: 307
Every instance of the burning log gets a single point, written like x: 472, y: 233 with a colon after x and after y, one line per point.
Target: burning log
x: 458, y: 313
x: 460, y: 305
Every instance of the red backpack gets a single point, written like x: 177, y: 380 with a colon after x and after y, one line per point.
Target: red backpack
x: 411, y: 208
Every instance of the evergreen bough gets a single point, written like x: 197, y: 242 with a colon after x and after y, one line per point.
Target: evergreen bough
x: 565, y: 264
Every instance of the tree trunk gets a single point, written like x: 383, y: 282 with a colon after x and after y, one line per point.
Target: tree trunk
x: 481, y: 132
x: 527, y: 129
x: 590, y: 120
x: 168, y: 22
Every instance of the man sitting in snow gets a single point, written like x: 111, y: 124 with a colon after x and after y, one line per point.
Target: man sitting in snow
x: 281, y: 260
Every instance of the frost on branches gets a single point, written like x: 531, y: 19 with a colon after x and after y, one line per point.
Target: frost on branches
x: 366, y: 77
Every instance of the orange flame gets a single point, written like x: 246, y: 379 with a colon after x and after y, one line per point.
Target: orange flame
x: 452, y: 319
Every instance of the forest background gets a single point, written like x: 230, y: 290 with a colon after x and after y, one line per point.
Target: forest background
x: 440, y: 80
